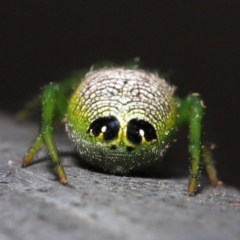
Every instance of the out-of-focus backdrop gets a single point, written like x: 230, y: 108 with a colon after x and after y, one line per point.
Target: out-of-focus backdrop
x: 196, y: 43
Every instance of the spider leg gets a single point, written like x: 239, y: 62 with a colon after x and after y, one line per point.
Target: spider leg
x: 190, y: 112
x: 50, y: 97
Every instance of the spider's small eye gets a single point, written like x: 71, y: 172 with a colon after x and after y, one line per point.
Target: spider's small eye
x: 137, y: 129
x: 109, y: 126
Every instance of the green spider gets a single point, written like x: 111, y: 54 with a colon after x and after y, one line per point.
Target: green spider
x: 120, y: 119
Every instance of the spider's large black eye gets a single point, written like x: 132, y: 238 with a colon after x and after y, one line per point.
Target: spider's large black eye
x: 137, y: 129
x: 109, y: 126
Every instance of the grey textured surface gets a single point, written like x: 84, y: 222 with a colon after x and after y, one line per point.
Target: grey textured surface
x: 99, y: 206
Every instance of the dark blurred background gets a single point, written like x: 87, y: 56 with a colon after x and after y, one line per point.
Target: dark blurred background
x: 197, y: 41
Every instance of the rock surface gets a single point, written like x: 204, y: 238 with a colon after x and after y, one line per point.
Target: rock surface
x: 33, y: 205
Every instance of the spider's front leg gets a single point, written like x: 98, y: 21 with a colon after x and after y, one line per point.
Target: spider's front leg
x: 53, y: 105
x: 190, y: 112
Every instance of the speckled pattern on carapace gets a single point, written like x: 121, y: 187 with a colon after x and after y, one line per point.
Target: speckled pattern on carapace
x: 125, y: 94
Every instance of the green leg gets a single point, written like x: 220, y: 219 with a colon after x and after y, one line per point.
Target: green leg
x: 36, y: 146
x: 209, y: 166
x: 190, y: 111
x: 65, y: 88
x: 25, y: 112
x: 50, y: 98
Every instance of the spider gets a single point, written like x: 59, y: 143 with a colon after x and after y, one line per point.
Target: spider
x: 120, y: 119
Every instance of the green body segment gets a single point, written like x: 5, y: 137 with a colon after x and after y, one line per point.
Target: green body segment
x: 126, y: 95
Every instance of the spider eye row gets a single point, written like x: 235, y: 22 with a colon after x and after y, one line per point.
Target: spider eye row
x: 137, y: 129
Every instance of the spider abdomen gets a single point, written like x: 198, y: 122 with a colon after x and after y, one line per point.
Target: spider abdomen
x: 121, y: 119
